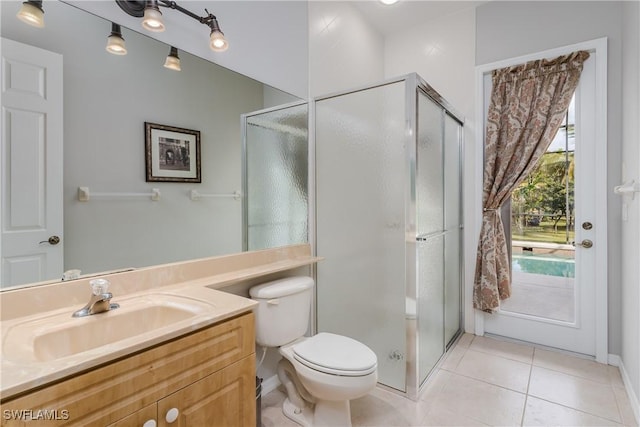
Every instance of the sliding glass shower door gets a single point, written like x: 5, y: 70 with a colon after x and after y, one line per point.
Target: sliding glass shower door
x: 452, y: 227
x: 429, y: 234
x: 438, y: 224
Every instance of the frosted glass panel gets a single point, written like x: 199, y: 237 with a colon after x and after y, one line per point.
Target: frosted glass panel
x: 452, y: 194
x: 429, y: 171
x: 430, y: 304
x: 361, y: 183
x: 451, y: 284
x: 276, y: 178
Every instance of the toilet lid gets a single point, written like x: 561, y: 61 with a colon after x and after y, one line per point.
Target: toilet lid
x: 335, y: 354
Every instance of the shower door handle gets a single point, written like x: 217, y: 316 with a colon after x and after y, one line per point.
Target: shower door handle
x: 428, y: 236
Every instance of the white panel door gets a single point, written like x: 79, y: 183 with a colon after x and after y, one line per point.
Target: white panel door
x: 32, y: 135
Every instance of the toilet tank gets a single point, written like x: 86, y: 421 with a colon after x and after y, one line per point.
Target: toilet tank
x: 283, y: 310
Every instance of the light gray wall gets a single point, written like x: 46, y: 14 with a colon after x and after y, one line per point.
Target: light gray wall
x: 345, y: 51
x: 107, y: 99
x: 631, y: 171
x: 274, y: 97
x: 509, y: 29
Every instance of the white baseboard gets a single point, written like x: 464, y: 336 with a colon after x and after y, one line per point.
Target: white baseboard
x: 269, y: 384
x: 615, y: 360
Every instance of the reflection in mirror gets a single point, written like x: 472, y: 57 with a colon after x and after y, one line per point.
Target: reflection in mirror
x: 276, y: 175
x: 107, y: 99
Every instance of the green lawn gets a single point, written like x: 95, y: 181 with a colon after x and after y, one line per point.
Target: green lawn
x: 545, y: 232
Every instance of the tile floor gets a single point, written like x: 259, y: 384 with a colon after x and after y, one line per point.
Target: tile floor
x: 484, y: 381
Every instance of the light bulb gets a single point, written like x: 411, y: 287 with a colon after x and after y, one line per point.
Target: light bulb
x: 153, y: 20
x: 218, y: 42
x: 173, y: 61
x: 116, y: 45
x: 115, y: 41
x: 31, y: 13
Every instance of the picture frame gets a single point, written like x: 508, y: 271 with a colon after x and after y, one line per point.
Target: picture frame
x: 172, y: 154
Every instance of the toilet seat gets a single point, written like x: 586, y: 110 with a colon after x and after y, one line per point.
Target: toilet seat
x: 336, y: 355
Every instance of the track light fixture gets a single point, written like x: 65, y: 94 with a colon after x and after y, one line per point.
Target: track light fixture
x: 217, y: 41
x: 32, y: 13
x: 152, y: 18
x: 115, y: 41
x: 149, y: 10
x: 173, y: 61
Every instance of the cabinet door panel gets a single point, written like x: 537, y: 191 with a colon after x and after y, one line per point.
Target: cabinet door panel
x: 138, y: 419
x: 225, y: 399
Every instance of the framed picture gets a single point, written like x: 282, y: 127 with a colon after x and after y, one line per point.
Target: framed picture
x: 171, y: 154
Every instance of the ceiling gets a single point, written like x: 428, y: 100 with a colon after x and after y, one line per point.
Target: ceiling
x: 389, y: 19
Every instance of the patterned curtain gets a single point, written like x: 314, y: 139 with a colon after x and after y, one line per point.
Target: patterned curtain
x: 528, y: 104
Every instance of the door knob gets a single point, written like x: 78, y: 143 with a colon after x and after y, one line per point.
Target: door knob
x: 53, y: 240
x: 586, y: 243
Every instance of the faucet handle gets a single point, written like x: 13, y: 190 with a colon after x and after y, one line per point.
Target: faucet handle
x: 99, y: 286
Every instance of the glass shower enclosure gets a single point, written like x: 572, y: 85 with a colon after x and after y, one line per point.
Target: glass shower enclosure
x: 275, y: 175
x: 388, y: 222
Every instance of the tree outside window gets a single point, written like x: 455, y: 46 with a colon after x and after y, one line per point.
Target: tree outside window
x: 542, y: 207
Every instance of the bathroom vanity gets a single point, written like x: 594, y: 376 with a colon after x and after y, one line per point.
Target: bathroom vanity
x: 178, y: 351
x: 204, y: 378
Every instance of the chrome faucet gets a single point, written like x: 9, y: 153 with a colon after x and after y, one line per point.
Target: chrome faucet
x: 100, y: 299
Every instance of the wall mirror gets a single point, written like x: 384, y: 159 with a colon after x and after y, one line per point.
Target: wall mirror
x: 107, y: 100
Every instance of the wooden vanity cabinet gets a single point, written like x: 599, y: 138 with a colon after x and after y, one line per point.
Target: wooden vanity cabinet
x: 217, y: 400
x: 207, y: 376
x: 221, y: 399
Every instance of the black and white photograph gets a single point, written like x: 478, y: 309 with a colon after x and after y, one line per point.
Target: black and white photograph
x: 172, y: 154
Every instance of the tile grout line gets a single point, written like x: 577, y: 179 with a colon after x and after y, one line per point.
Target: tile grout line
x: 497, y: 355
x: 608, y: 383
x: 578, y: 410
x: 524, y: 409
x: 581, y: 378
x: 615, y: 397
x: 526, y: 395
x: 485, y: 382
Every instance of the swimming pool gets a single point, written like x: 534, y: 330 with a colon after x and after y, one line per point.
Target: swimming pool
x: 547, y: 264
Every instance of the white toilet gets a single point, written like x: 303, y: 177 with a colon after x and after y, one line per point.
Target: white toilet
x: 320, y: 373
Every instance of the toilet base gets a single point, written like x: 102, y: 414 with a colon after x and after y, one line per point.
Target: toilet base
x: 301, y: 416
x: 332, y: 413
x: 324, y: 414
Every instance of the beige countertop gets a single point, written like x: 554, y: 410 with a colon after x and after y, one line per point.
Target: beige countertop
x: 176, y: 285
x: 20, y: 372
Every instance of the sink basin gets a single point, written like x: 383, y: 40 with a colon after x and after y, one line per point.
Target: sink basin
x: 57, y: 336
